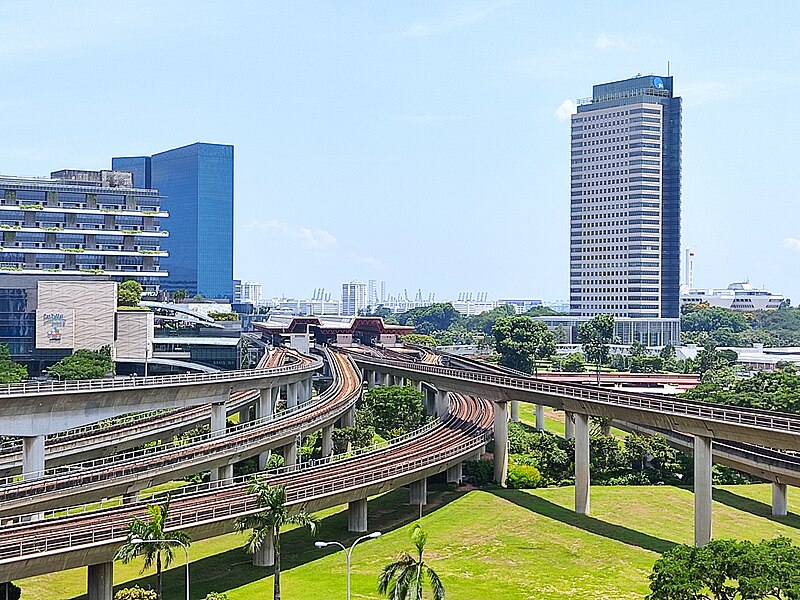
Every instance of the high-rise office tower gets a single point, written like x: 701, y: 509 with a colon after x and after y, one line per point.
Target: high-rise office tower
x: 625, y: 200
x: 197, y: 184
x: 354, y: 297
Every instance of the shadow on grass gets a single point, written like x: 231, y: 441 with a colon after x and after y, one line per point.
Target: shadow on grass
x: 587, y: 523
x: 233, y: 568
x: 754, y: 507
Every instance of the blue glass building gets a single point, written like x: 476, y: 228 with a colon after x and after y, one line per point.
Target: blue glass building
x: 196, y: 182
x: 625, y: 200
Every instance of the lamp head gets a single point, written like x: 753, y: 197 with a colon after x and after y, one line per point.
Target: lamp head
x: 320, y: 544
x: 136, y: 540
x: 375, y: 534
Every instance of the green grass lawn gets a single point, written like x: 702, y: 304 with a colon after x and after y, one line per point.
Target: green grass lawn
x: 485, y: 544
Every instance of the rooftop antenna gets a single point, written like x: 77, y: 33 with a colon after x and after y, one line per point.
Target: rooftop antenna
x: 667, y: 68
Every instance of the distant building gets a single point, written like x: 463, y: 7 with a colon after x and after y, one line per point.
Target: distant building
x: 650, y: 332
x: 197, y: 183
x: 625, y: 200
x: 252, y: 293
x: 237, y: 290
x: 740, y: 296
x: 354, y: 297
x: 521, y: 305
x: 83, y: 222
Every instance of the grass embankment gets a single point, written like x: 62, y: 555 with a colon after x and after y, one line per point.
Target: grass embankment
x: 505, y: 544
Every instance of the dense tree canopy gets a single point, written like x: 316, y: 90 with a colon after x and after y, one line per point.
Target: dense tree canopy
x: 10, y: 372
x: 728, y: 570
x: 778, y: 390
x: 391, y: 410
x: 419, y: 339
x: 597, y: 336
x: 129, y: 293
x: 520, y: 341
x: 427, y: 319
x: 84, y: 364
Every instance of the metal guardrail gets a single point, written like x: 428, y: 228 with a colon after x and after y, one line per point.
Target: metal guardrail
x: 246, y: 504
x: 132, y: 383
x: 778, y: 422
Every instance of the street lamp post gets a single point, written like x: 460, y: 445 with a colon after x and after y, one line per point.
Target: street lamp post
x: 348, y: 553
x: 137, y: 540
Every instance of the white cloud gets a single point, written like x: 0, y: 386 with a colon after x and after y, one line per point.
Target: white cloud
x: 310, y: 239
x: 792, y: 244
x: 466, y: 15
x: 604, y: 41
x: 566, y: 109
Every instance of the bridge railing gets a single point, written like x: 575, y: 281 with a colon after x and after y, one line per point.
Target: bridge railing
x: 748, y: 418
x: 242, y: 505
x: 39, y: 387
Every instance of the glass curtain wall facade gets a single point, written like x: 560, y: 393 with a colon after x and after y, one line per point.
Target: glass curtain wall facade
x: 197, y: 184
x: 625, y: 200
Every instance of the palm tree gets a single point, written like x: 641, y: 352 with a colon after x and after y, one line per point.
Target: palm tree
x: 269, y: 521
x: 404, y: 579
x: 146, y: 538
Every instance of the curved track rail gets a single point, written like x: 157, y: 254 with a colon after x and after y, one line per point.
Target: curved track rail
x: 102, y: 439
x: 208, y: 510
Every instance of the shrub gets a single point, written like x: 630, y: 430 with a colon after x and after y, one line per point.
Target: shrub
x: 135, y: 593
x: 479, y: 472
x: 216, y: 596
x: 522, y: 477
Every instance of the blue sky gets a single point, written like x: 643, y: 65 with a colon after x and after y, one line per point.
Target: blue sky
x: 424, y: 143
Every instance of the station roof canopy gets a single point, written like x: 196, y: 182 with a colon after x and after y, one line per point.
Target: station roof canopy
x: 287, y: 324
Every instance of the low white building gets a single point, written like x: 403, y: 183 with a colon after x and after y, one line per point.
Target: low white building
x: 739, y: 296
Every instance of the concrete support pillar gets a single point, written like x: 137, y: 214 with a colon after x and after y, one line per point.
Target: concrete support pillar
x: 386, y: 379
x: 265, y: 556
x: 348, y: 418
x: 327, y: 440
x: 430, y: 403
x: 780, y: 506
x: 515, y: 411
x: 500, y: 442
x: 418, y: 492
x: 442, y: 403
x: 265, y: 406
x: 308, y: 390
x: 291, y: 395
x: 454, y: 474
x: 569, y: 426
x: 222, y: 473
x: 100, y: 581
x: 368, y: 378
x: 32, y: 457
x: 702, y: 490
x: 375, y: 379
x: 417, y: 385
x: 290, y: 454
x: 357, y: 516
x: 581, y: 464
x: 540, y: 417
x: 219, y: 417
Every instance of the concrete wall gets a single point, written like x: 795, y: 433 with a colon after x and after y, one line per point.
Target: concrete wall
x: 75, y: 314
x: 135, y: 334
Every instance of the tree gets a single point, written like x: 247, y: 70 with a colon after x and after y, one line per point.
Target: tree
x: 135, y: 593
x: 180, y: 295
x: 521, y: 341
x: 419, y: 339
x: 150, y: 548
x: 10, y: 372
x: 391, y: 410
x: 597, y: 336
x: 405, y: 578
x: 427, y: 319
x: 85, y: 364
x: 727, y: 570
x: 572, y: 363
x: 269, y: 521
x: 129, y: 293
